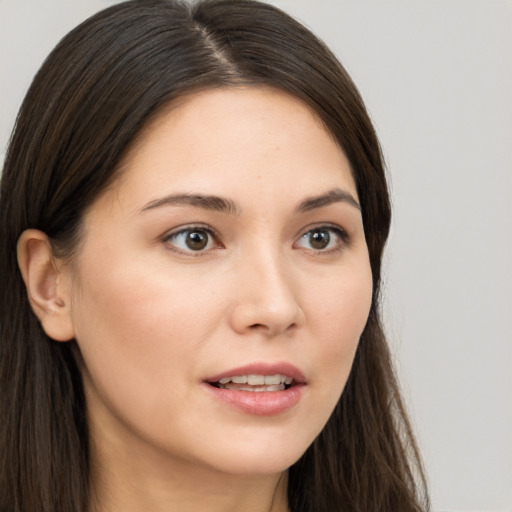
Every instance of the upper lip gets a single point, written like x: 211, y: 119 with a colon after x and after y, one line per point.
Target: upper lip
x: 283, y: 368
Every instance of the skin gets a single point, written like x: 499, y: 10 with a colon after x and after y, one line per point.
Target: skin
x: 153, y: 318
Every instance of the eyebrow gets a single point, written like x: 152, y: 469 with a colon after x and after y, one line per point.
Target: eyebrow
x: 336, y: 195
x: 223, y: 205
x: 214, y: 203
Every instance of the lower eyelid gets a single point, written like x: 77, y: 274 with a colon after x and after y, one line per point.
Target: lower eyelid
x: 341, y: 235
x: 168, y: 239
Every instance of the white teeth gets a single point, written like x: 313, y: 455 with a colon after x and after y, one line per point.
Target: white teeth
x: 256, y: 383
x: 255, y: 389
x: 257, y: 380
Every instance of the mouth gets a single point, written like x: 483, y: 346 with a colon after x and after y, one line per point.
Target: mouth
x: 255, y: 382
x: 259, y: 389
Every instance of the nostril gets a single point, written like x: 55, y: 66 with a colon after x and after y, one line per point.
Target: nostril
x: 272, y: 328
x: 265, y: 317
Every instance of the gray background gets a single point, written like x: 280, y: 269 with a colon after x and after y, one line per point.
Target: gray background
x: 437, y: 79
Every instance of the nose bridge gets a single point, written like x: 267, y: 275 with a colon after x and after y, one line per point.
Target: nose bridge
x: 273, y: 279
x: 266, y: 297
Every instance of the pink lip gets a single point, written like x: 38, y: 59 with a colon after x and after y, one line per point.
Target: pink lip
x: 264, y: 403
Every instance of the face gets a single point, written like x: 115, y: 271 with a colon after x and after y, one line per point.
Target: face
x: 222, y: 285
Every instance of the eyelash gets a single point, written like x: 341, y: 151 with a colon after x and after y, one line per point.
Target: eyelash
x: 213, y: 238
x: 342, y: 238
x: 212, y: 235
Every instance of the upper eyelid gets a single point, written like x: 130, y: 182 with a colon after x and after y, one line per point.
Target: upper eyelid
x: 190, y: 227
x: 344, y: 237
x: 323, y: 225
x: 169, y: 235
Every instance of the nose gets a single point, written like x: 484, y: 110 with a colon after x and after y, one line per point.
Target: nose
x: 266, y: 298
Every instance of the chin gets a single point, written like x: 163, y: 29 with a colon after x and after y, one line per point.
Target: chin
x: 258, y: 457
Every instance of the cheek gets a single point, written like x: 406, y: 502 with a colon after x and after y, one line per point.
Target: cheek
x: 341, y: 305
x: 117, y: 326
x: 140, y: 339
x: 140, y: 301
x: 342, y: 310
x: 141, y: 328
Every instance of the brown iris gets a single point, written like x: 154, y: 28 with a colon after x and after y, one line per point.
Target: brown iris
x: 319, y: 239
x: 196, y: 240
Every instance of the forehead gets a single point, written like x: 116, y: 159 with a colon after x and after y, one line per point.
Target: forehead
x: 223, y: 140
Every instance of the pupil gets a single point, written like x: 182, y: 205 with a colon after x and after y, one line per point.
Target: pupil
x: 320, y: 239
x: 197, y: 240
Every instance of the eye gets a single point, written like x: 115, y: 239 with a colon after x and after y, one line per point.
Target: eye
x: 193, y: 239
x: 323, y: 238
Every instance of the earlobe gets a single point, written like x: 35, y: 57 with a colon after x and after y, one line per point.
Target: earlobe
x: 47, y: 289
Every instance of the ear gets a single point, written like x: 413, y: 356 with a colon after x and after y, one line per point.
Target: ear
x: 47, y: 284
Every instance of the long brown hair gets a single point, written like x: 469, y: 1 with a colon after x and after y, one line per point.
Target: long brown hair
x: 95, y: 92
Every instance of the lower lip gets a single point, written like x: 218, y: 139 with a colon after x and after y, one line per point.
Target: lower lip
x: 262, y: 403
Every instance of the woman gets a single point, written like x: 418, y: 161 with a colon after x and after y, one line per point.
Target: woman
x: 193, y: 214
